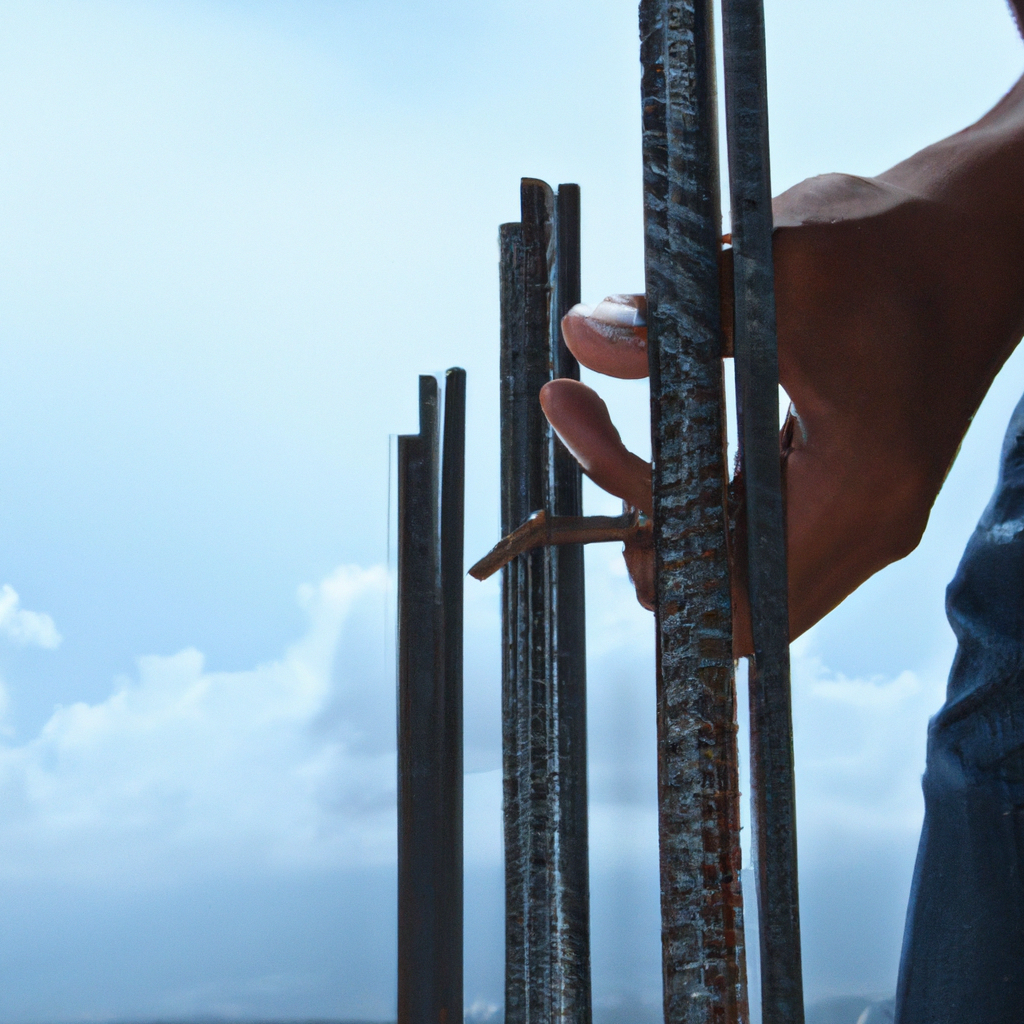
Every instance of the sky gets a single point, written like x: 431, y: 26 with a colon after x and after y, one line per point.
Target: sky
x: 232, y: 234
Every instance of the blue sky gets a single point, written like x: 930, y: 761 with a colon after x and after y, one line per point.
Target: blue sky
x: 231, y: 235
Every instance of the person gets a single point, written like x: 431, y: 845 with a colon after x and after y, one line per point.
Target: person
x: 899, y: 298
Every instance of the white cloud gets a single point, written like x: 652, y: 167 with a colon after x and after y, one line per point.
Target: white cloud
x: 860, y: 740
x: 25, y: 627
x: 860, y: 752
x: 291, y: 764
x: 183, y: 773
x: 182, y: 769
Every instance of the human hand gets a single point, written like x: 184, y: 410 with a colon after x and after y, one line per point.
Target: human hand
x: 897, y: 301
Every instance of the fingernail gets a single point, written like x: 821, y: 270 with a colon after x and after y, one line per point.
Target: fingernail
x: 580, y: 310
x: 618, y: 314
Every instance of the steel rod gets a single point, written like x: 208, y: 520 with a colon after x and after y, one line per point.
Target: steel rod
x: 547, y: 956
x: 569, y: 644
x: 430, y: 527
x: 757, y: 383
x: 702, y: 916
x: 540, y: 529
x: 453, y: 487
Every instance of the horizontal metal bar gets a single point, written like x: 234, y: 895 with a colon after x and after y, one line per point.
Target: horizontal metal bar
x: 542, y: 530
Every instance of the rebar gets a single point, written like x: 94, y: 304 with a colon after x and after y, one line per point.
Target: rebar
x: 547, y: 930
x: 698, y: 790
x: 757, y: 384
x: 431, y: 475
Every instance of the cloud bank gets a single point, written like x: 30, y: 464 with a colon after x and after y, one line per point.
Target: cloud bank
x: 289, y: 764
x: 287, y: 769
x: 35, y: 629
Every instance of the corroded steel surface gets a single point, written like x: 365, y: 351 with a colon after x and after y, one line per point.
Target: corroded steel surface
x: 702, y: 918
x: 757, y: 380
x: 547, y: 933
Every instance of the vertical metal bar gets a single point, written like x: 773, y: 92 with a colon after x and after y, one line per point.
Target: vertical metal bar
x: 531, y: 984
x: 702, y: 919
x: 565, y: 498
x: 429, y: 728
x: 543, y: 705
x: 453, y: 487
x: 515, y: 776
x: 757, y: 384
x: 420, y: 670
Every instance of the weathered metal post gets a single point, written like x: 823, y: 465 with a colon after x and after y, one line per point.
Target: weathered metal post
x: 702, y: 915
x: 757, y: 383
x: 547, y: 930
x: 431, y: 478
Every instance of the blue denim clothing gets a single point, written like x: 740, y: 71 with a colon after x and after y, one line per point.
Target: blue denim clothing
x: 963, y: 948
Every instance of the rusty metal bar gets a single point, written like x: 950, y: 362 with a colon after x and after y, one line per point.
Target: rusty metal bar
x: 702, y: 916
x: 430, y: 787
x: 547, y: 933
x: 543, y: 530
x: 757, y: 384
